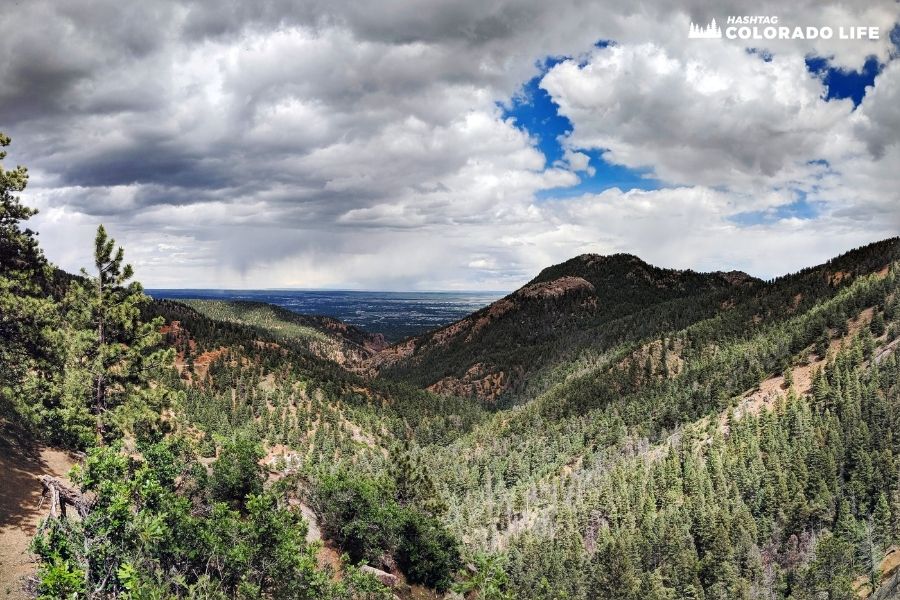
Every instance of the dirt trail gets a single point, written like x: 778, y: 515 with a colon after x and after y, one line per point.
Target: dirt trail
x: 20, y: 497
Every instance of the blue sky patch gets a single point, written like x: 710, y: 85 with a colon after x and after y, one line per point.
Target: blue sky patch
x: 607, y: 176
x: 800, y: 208
x: 845, y: 84
x: 534, y: 111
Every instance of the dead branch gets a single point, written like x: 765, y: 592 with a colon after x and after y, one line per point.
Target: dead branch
x: 61, y: 494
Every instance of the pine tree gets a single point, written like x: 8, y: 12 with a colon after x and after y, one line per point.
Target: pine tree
x: 27, y: 313
x: 613, y: 572
x: 877, y: 325
x: 788, y: 377
x: 830, y: 574
x: 882, y: 522
x: 112, y: 356
x: 414, y: 485
x: 663, y: 360
x: 822, y: 344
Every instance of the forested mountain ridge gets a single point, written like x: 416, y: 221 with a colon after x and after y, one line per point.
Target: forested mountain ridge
x: 698, y: 436
x: 629, y: 469
x: 583, y: 464
x: 632, y: 277
x: 322, y: 335
x: 590, y: 304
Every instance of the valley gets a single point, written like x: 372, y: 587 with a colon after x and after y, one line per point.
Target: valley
x: 609, y: 430
x: 449, y: 300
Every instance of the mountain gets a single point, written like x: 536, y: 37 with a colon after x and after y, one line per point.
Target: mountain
x: 592, y: 303
x: 643, y: 433
x: 588, y: 302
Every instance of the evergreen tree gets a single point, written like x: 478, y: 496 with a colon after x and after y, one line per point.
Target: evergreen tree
x: 111, y: 354
x: 613, y: 573
x: 877, y: 326
x: 28, y: 361
x: 788, y: 377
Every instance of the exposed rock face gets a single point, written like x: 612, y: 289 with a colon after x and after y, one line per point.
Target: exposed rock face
x: 736, y: 278
x: 373, y: 342
x: 556, y: 288
x: 384, y: 577
x: 837, y: 277
x: 480, y: 381
x: 390, y: 356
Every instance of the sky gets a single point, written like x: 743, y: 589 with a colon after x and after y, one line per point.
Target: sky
x: 462, y: 144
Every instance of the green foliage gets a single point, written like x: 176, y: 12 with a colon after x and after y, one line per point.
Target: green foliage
x: 236, y: 473
x: 489, y: 580
x: 27, y: 313
x: 415, y: 487
x: 60, y: 579
x: 144, y: 538
x: 830, y: 574
x: 359, y: 513
x: 111, y: 354
x: 362, y: 516
x: 427, y: 553
x: 631, y: 466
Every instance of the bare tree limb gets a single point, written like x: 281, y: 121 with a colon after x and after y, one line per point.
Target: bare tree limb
x: 61, y: 494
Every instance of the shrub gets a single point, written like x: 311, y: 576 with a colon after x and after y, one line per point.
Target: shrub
x: 428, y: 553
x: 237, y: 473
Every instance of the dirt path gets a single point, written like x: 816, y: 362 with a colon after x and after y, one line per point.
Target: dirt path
x: 20, y: 498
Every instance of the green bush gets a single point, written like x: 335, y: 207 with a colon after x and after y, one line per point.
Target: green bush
x: 359, y: 514
x: 428, y: 554
x: 237, y: 473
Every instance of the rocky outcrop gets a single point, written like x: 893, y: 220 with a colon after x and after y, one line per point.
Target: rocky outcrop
x: 386, y: 579
x: 390, y: 356
x: 479, y: 381
x: 556, y: 288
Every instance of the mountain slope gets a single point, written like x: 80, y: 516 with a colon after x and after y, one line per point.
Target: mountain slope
x: 718, y: 461
x: 593, y: 303
x: 326, y: 337
x: 663, y: 445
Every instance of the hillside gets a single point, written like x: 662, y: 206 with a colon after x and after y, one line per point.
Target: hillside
x: 587, y: 302
x: 648, y: 434
x: 591, y: 304
x: 784, y: 388
x: 324, y: 336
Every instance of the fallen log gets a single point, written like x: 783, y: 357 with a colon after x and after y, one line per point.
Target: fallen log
x: 61, y: 494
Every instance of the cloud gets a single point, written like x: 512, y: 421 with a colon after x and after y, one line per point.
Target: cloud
x: 879, y: 118
x: 693, y: 227
x: 722, y: 118
x: 318, y: 143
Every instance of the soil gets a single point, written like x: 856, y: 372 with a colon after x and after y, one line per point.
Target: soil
x: 21, y: 511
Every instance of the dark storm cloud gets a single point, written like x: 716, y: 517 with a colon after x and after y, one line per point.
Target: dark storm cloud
x: 364, y: 141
